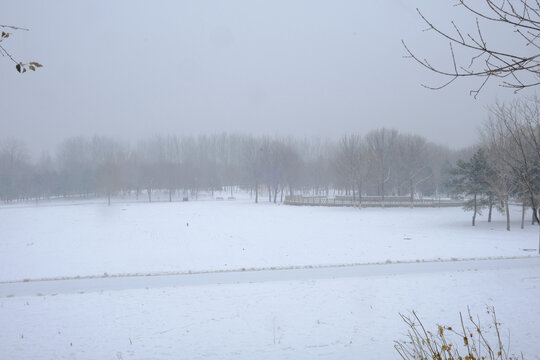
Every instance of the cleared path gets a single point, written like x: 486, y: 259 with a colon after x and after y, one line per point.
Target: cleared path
x: 124, y: 282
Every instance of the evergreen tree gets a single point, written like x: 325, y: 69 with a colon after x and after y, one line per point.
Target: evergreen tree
x: 469, y: 178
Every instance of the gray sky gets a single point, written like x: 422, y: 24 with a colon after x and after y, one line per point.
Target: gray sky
x: 129, y: 69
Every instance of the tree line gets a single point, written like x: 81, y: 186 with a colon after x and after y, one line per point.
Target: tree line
x: 506, y: 163
x: 383, y: 162
x: 503, y: 166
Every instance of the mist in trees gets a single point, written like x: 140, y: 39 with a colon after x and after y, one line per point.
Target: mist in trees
x: 383, y: 162
x: 511, y: 138
x: 505, y: 165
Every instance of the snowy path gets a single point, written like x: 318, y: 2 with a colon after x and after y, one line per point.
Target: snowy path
x: 154, y: 281
x: 326, y: 313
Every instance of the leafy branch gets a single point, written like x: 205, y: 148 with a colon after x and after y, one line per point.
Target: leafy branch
x: 20, y: 66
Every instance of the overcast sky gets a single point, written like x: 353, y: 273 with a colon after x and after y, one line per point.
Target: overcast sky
x: 130, y: 69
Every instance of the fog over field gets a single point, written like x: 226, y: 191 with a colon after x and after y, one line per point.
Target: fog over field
x: 269, y: 179
x: 130, y: 69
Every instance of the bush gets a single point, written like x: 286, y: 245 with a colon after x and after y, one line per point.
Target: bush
x: 470, y: 342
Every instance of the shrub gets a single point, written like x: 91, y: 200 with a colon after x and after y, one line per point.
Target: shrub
x: 470, y: 342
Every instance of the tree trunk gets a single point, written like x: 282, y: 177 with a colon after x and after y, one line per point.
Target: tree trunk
x: 523, y: 216
x: 382, y: 193
x: 170, y: 195
x: 490, y: 210
x: 474, y: 212
x: 275, y: 194
x: 256, y: 193
x: 149, y: 191
x: 412, y: 192
x: 507, y: 210
x: 360, y: 195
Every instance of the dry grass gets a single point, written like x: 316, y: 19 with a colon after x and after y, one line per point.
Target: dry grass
x: 470, y: 341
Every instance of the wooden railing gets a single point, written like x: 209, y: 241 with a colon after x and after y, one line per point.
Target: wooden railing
x: 370, y: 201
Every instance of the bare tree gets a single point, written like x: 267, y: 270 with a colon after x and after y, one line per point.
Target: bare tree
x: 516, y: 69
x: 517, y: 127
x: 252, y: 164
x: 499, y: 148
x: 381, y: 146
x: 74, y: 160
x: 350, y: 164
x: 412, y: 157
x: 148, y: 160
x: 108, y: 157
x: 438, y: 158
x: 44, y: 180
x: 169, y: 163
x: 317, y: 169
x: 291, y: 164
x: 280, y: 161
x: 14, y: 170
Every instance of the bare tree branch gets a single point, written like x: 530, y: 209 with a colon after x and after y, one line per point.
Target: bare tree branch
x: 521, y: 68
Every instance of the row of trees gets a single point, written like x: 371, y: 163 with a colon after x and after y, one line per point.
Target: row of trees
x: 504, y: 166
x: 387, y: 162
x: 383, y: 162
x: 507, y: 163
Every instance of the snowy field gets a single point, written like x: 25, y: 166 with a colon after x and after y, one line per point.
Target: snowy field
x: 91, y: 239
x: 337, y: 294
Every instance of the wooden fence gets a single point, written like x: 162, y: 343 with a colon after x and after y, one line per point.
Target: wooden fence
x: 370, y: 201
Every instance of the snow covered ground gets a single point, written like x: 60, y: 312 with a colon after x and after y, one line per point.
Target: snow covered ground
x: 311, y: 310
x: 91, y: 239
x: 341, y: 317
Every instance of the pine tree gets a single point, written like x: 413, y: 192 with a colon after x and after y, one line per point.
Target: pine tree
x: 469, y: 178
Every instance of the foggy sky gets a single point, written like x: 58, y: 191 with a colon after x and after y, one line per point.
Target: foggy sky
x: 131, y: 69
